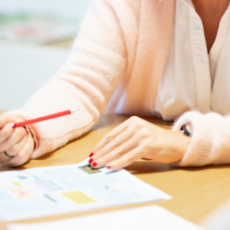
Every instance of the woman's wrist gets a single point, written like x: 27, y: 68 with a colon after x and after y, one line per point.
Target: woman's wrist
x: 183, y: 142
x: 187, y: 134
x: 187, y: 128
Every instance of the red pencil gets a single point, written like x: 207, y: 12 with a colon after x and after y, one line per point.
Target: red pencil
x: 51, y: 116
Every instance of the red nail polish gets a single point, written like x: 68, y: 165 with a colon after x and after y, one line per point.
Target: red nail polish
x: 91, y: 155
x: 26, y: 129
x: 90, y: 160
x: 108, y: 167
x: 94, y: 164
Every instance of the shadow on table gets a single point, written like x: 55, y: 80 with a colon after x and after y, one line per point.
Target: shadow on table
x: 151, y: 166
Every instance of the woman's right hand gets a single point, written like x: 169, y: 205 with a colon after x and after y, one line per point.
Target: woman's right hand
x: 16, y: 142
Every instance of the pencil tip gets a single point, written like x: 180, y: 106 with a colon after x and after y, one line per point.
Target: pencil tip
x: 73, y: 111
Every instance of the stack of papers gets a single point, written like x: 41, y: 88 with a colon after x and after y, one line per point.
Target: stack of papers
x: 55, y: 190
x: 146, y: 218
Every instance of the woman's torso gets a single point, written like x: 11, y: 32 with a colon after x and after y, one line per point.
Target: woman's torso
x: 192, y: 78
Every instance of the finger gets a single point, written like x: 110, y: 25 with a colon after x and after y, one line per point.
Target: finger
x: 127, y: 159
x: 9, y: 119
x: 6, y: 132
x: 24, y: 155
x: 17, y: 135
x: 116, y: 153
x: 114, y: 144
x: 16, y: 148
x: 3, y: 121
x: 110, y: 136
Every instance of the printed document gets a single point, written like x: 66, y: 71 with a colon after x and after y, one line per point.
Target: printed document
x: 37, y: 192
x: 147, y: 218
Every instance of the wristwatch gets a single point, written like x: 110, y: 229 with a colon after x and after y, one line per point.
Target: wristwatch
x: 187, y: 128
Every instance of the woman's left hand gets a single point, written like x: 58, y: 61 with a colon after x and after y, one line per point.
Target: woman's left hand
x: 136, y: 138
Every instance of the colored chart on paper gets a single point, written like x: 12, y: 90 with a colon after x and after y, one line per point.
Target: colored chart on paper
x: 78, y: 197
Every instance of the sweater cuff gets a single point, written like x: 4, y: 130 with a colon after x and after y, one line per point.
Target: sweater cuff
x: 200, y: 151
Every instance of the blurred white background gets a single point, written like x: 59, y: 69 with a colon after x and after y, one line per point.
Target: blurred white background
x: 24, y: 67
x: 62, y: 7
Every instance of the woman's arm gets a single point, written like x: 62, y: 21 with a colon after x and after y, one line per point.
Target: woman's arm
x: 135, y: 139
x: 210, y: 140
x: 86, y: 82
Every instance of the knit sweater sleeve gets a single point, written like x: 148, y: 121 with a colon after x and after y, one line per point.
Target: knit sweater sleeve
x: 86, y: 82
x: 210, y: 143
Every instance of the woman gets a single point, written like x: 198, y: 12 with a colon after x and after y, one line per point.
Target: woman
x: 143, y: 58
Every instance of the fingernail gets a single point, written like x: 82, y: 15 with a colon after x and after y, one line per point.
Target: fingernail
x: 94, y: 164
x: 90, y: 160
x: 26, y: 129
x: 108, y: 167
x: 91, y: 155
x: 13, y: 125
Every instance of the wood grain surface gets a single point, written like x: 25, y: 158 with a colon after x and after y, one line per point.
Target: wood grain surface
x: 196, y: 191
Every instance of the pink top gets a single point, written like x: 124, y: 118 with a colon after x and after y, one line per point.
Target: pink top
x: 116, y: 62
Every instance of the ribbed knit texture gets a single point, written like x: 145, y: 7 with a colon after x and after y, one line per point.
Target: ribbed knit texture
x: 210, y: 140
x: 121, y: 50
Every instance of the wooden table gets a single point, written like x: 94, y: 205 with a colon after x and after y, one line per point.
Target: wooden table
x: 196, y: 191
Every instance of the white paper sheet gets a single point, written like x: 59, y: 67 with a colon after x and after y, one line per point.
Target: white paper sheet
x: 146, y: 218
x: 54, y: 190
